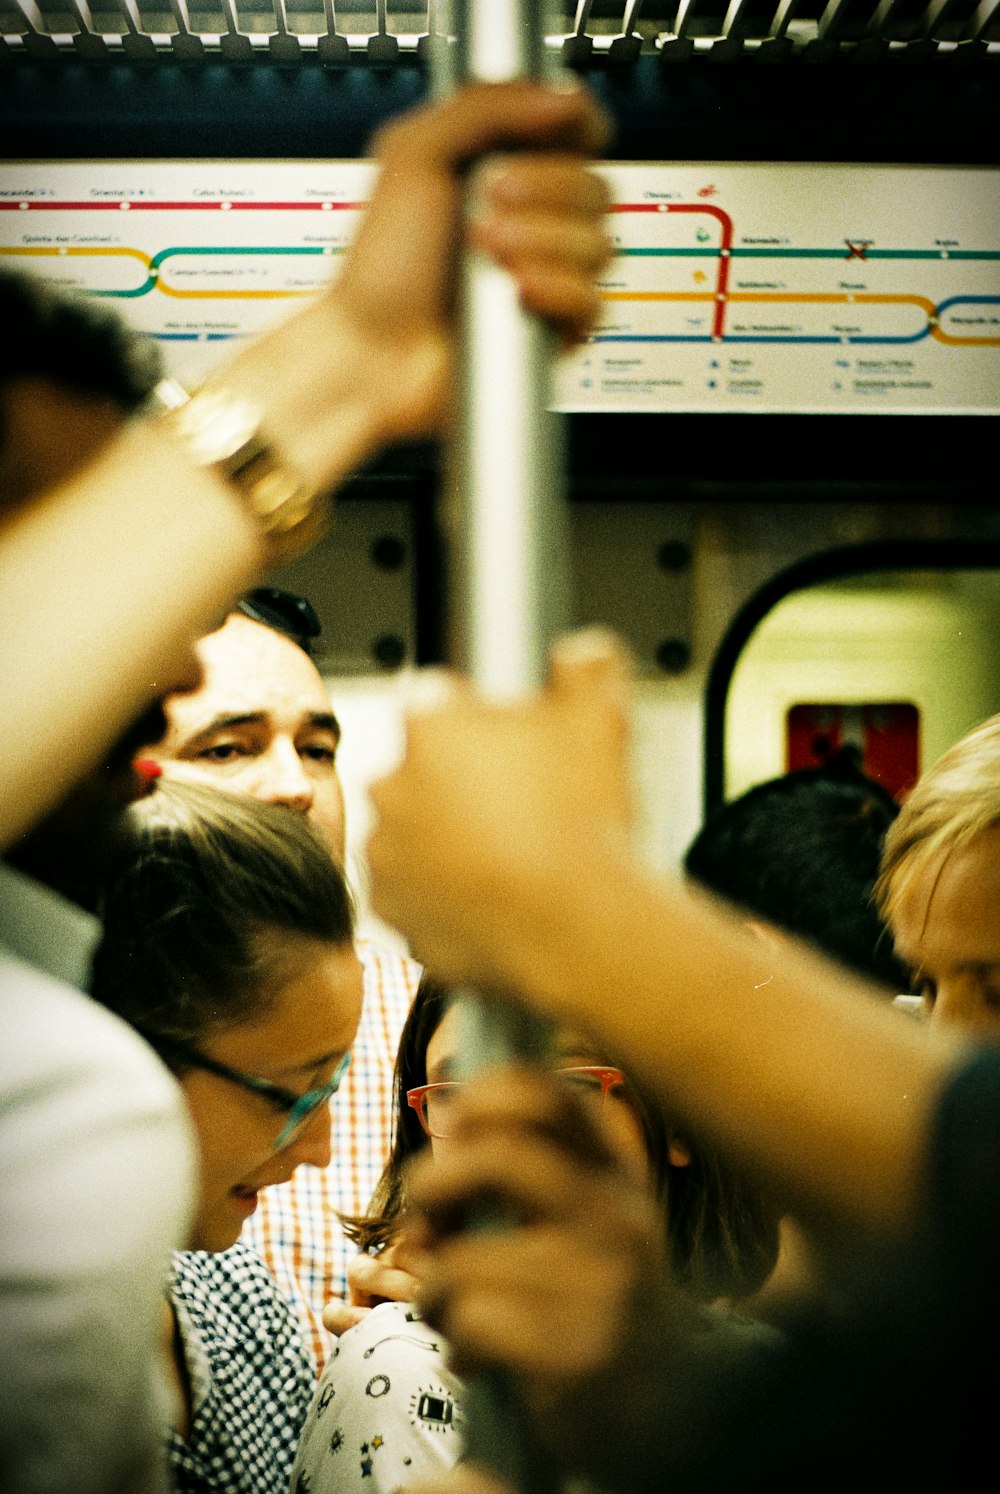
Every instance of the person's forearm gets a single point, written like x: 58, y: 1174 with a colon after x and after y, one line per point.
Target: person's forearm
x: 790, y: 1065
x: 313, y: 382
x: 103, y: 587
x: 104, y: 584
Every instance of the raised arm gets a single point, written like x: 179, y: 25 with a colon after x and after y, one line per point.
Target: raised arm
x: 105, y: 581
x: 501, y: 851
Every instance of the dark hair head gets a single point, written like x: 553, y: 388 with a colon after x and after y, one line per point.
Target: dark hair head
x: 73, y: 341
x: 203, y: 886
x: 802, y: 851
x: 723, y: 1231
x: 285, y: 612
x: 377, y: 1228
x: 723, y: 1227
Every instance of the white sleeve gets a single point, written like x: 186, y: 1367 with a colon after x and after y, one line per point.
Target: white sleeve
x: 386, y: 1411
x: 96, y: 1177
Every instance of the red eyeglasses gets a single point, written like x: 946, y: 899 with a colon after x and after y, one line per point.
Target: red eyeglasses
x: 434, y: 1103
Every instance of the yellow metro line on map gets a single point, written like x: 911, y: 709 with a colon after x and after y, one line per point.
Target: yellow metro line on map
x: 156, y: 281
x: 810, y: 297
x: 61, y: 250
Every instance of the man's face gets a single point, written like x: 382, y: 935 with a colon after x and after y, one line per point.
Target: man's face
x: 260, y: 724
x: 946, y: 928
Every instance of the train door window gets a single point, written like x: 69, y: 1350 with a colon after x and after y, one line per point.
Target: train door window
x: 883, y: 737
x: 896, y: 665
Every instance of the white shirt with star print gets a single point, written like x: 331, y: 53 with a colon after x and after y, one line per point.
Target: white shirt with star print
x: 387, y: 1409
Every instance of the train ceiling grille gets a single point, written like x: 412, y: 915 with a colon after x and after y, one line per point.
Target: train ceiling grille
x: 380, y: 33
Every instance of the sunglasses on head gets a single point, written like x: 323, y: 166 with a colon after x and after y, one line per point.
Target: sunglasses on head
x: 284, y: 611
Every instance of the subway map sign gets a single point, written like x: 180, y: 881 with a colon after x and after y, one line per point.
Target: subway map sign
x: 777, y: 287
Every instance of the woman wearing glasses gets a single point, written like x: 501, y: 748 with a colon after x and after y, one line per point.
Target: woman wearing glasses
x: 388, y: 1407
x: 228, y: 946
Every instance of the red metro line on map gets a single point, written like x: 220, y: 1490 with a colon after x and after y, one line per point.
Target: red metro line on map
x: 708, y: 288
x: 760, y: 275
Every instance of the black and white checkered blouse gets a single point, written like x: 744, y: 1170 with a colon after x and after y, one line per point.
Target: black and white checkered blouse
x: 251, y: 1382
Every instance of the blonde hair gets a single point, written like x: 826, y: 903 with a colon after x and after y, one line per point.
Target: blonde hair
x: 951, y: 804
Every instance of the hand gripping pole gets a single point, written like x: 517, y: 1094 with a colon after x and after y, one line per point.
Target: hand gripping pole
x: 505, y: 531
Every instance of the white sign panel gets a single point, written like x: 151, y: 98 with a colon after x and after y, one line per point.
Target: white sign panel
x: 776, y: 288
x: 797, y: 288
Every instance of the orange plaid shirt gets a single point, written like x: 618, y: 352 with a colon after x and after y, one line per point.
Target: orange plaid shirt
x: 296, y: 1228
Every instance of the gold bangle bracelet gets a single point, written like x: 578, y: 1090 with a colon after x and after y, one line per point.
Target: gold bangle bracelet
x: 223, y: 430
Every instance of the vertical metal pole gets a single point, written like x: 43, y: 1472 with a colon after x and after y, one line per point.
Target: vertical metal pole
x: 505, y: 530
x: 505, y: 512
